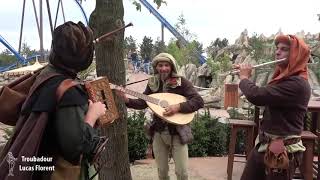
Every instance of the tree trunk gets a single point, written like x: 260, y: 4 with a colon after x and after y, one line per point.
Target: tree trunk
x: 108, y: 16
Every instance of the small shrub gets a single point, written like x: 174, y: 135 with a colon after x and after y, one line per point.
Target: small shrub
x: 137, y: 141
x: 218, y: 133
x: 210, y: 137
x: 199, y: 146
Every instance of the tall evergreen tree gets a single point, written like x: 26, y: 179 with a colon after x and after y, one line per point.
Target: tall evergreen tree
x: 146, y: 47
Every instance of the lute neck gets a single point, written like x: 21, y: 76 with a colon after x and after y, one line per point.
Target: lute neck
x: 140, y: 95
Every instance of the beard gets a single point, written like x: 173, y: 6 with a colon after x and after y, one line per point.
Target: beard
x: 164, y: 76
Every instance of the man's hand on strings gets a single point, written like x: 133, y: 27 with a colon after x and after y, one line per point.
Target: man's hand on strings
x: 171, y: 110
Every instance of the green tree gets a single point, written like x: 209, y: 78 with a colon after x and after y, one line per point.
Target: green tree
x: 176, y: 52
x: 257, y: 48
x: 7, y: 58
x: 158, y: 2
x: 192, y: 50
x: 181, y: 27
x: 187, y: 54
x: 221, y: 43
x: 146, y: 47
x: 6, y: 52
x: 215, y: 46
x: 26, y: 50
x: 107, y: 16
x: 130, y: 43
x: 219, y: 65
x: 158, y: 47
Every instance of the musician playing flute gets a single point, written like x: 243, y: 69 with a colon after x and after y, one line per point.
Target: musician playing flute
x: 63, y: 131
x: 285, y: 99
x: 169, y: 139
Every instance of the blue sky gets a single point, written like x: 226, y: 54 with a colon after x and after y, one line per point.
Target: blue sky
x: 208, y: 19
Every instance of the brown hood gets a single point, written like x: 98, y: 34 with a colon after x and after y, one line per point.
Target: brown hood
x: 298, y: 59
x: 72, y: 47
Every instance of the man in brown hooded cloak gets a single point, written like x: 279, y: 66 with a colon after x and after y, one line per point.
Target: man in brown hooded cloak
x: 52, y: 134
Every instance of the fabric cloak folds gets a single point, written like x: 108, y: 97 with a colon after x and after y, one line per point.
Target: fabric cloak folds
x: 26, y: 139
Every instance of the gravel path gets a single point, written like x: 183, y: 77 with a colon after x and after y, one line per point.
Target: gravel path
x: 206, y: 168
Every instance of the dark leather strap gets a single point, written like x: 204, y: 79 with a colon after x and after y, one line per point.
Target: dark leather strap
x: 64, y: 86
x: 36, y: 85
x: 264, y: 139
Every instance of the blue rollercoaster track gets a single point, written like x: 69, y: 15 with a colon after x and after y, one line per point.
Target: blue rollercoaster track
x: 20, y: 58
x: 202, y: 60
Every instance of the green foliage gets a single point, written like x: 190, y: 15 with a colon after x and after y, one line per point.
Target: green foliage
x: 158, y: 47
x: 220, y: 65
x: 185, y: 55
x: 192, y: 50
x: 210, y: 137
x: 178, y: 54
x: 26, y: 50
x: 181, y: 27
x: 7, y: 58
x: 138, y: 5
x: 146, y: 47
x: 6, y: 52
x: 221, y: 43
x: 157, y: 2
x: 215, y: 46
x: 258, y: 47
x: 137, y: 141
x: 188, y: 51
x: 129, y: 44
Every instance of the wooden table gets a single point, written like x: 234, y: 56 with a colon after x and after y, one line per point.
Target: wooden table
x: 314, y: 108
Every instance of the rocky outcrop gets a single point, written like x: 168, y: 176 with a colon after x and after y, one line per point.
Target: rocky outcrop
x: 243, y: 40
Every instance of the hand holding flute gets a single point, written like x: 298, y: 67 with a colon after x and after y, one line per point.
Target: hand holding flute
x: 244, y: 71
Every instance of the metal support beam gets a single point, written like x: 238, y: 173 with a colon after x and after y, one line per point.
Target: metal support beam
x: 49, y: 15
x: 162, y: 33
x: 41, y: 31
x: 57, y: 12
x: 36, y: 16
x: 64, y: 18
x: 21, y: 26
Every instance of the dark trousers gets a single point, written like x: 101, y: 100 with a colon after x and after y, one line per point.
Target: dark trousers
x: 255, y: 168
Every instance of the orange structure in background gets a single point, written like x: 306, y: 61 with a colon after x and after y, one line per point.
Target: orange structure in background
x: 230, y: 95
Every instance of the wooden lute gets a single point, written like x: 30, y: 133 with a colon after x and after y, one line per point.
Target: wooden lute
x: 157, y: 102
